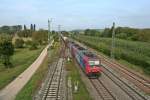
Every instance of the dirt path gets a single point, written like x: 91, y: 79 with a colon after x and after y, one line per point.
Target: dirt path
x: 11, y: 90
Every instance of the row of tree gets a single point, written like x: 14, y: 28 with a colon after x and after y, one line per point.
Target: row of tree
x: 10, y: 29
x: 27, y: 32
x: 122, y: 33
x: 22, y: 31
x: 129, y: 33
x: 32, y: 27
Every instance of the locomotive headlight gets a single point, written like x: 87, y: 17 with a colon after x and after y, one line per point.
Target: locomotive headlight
x: 94, y: 62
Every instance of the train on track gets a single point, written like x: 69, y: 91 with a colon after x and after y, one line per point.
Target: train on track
x: 88, y: 61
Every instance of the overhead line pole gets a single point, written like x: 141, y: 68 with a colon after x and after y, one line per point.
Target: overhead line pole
x: 59, y: 31
x: 49, y: 29
x: 48, y: 35
x: 113, y: 42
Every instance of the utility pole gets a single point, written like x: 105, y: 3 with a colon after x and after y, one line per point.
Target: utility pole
x: 59, y: 31
x: 113, y: 42
x: 49, y: 29
x: 59, y: 27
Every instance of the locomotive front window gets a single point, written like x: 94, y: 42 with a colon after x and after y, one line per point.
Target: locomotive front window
x: 93, y: 63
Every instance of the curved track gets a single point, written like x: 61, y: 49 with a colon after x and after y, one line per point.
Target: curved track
x: 123, y: 78
x: 131, y: 92
x: 138, y: 80
x: 106, y: 94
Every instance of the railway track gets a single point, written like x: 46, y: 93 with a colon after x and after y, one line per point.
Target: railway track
x: 142, y: 83
x: 103, y: 92
x: 139, y: 81
x: 54, y: 89
x: 53, y: 86
x: 131, y: 92
x: 106, y: 94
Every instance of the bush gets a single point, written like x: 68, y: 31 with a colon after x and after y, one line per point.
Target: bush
x: 6, y: 50
x: 28, y: 42
x: 33, y: 46
x: 19, y: 43
x: 121, y: 36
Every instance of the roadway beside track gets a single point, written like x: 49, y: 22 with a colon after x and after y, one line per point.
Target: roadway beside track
x: 12, y: 89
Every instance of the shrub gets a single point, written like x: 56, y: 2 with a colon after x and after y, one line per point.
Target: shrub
x: 33, y: 46
x: 19, y: 43
x: 28, y: 42
x: 6, y: 50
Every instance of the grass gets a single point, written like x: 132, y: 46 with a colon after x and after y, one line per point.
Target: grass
x: 21, y: 60
x: 73, y: 72
x: 131, y: 66
x: 32, y: 86
x: 29, y: 89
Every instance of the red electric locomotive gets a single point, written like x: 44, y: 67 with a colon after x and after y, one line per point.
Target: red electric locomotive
x: 88, y: 61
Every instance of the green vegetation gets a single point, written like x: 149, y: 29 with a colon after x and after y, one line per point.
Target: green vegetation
x: 132, y: 66
x: 21, y: 60
x: 19, y: 43
x: 32, y: 86
x: 33, y: 45
x: 27, y: 32
x: 92, y: 32
x: 126, y: 33
x: 73, y: 72
x: 6, y: 50
x: 28, y: 42
x: 136, y: 53
x: 40, y: 36
x: 129, y: 33
x: 29, y: 89
x: 10, y: 29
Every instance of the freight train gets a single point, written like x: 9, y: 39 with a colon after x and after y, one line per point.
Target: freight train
x: 88, y: 61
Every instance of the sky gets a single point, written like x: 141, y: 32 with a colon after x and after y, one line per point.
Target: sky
x: 76, y: 14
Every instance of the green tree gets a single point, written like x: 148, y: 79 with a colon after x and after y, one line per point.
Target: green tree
x: 25, y: 28
x: 87, y: 32
x: 107, y: 32
x: 34, y: 27
x: 31, y: 27
x: 5, y: 29
x: 19, y: 43
x: 92, y: 32
x: 144, y: 35
x: 64, y: 33
x: 6, y: 49
x: 33, y: 45
x: 40, y: 36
